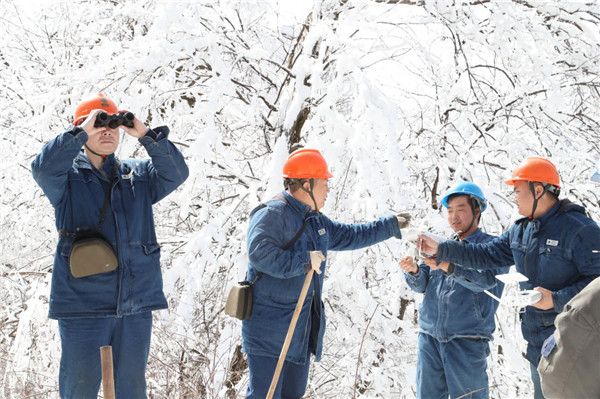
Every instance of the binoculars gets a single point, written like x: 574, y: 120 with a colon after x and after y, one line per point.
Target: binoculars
x: 114, y: 121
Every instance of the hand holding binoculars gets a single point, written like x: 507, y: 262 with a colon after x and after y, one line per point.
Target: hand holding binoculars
x: 114, y: 121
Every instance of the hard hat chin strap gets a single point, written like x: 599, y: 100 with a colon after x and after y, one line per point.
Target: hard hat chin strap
x: 535, y: 198
x: 311, y: 182
x: 103, y: 156
x: 474, y: 205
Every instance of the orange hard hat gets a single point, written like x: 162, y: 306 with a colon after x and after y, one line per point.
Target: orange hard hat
x: 535, y: 169
x: 306, y: 163
x: 97, y: 102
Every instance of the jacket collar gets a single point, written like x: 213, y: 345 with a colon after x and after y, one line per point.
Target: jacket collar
x: 295, y: 205
x: 550, y: 213
x: 473, y: 236
x: 563, y: 205
x: 539, y: 221
x: 82, y: 162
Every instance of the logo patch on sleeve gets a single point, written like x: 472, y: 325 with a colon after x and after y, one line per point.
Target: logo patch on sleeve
x: 321, y: 232
x: 553, y: 243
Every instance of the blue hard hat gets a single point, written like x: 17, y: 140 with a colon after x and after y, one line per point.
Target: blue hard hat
x: 465, y: 188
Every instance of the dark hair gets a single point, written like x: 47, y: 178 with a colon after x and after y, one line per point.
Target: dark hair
x: 292, y: 184
x: 549, y: 188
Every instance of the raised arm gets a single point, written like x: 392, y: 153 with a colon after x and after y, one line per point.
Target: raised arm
x: 416, y: 280
x: 359, y: 235
x: 489, y: 255
x: 168, y: 168
x: 51, y: 166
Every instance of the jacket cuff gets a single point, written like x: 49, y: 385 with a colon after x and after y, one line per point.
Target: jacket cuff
x: 442, y: 252
x: 411, y: 276
x: 305, y: 259
x: 395, y: 227
x: 74, y: 130
x: 74, y: 136
x: 558, y: 305
x: 451, y: 270
x: 157, y: 134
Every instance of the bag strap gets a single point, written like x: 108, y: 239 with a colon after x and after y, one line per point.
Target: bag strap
x: 107, y: 195
x: 286, y: 246
x: 103, y: 211
x: 296, y: 237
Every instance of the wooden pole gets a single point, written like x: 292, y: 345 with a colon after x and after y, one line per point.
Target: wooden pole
x: 108, y: 381
x: 290, y: 333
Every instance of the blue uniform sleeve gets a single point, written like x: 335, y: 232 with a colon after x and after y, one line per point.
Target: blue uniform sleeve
x: 586, y: 256
x: 345, y: 237
x: 418, y: 282
x: 489, y: 255
x: 168, y: 168
x: 265, y: 247
x: 51, y: 166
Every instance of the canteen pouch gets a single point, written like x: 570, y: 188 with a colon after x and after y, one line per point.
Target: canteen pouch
x: 91, y: 254
x: 239, y: 300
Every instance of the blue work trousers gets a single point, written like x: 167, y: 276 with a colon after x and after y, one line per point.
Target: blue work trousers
x: 80, y: 369
x: 537, y: 383
x: 452, y: 368
x: 292, y: 380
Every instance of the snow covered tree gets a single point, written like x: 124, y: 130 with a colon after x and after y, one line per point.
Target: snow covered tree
x: 402, y: 98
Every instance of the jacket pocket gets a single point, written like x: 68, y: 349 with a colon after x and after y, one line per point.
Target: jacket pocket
x: 547, y: 318
x: 548, y: 250
x: 144, y: 264
x: 555, y: 267
x: 149, y: 249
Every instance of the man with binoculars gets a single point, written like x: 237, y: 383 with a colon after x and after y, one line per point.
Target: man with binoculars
x: 106, y: 279
x: 100, y: 118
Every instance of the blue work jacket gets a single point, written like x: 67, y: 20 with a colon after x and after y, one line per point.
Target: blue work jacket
x: 455, y: 305
x: 277, y: 292
x: 76, y: 190
x: 559, y: 251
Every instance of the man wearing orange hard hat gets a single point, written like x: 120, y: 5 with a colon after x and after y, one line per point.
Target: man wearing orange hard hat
x: 106, y: 279
x: 287, y: 237
x: 554, y: 245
